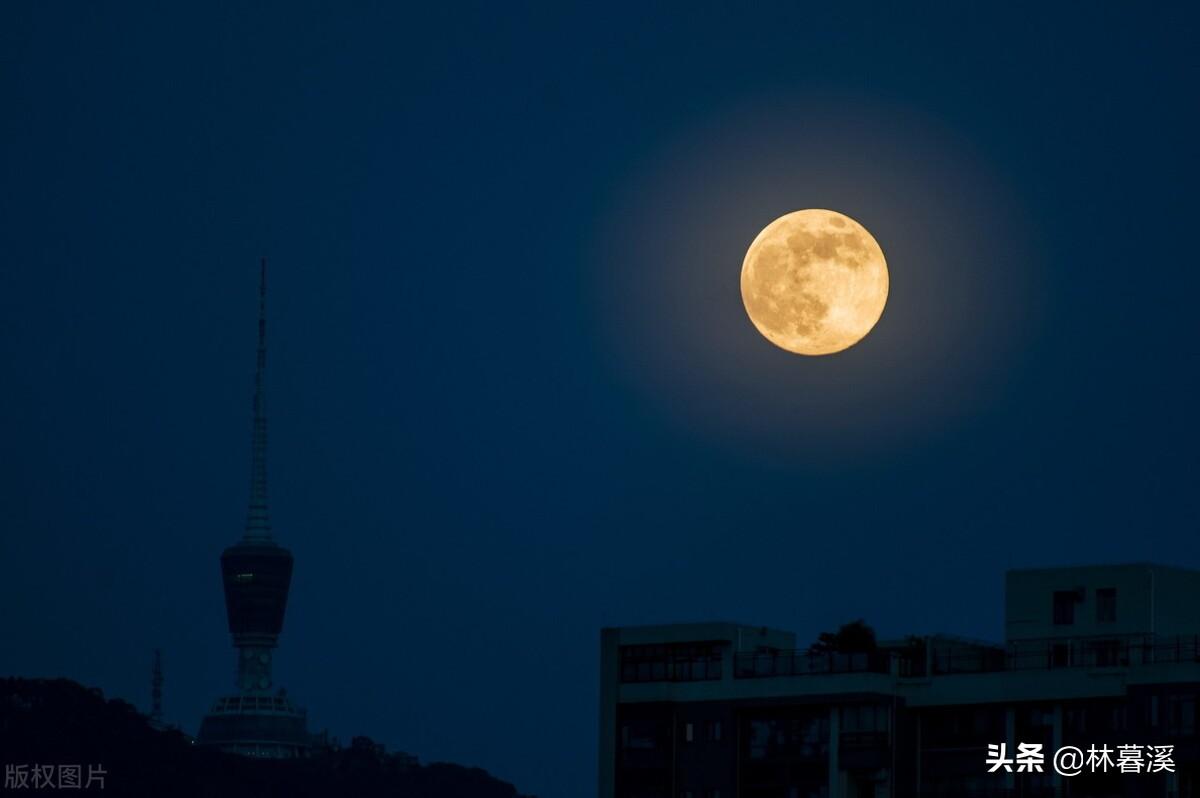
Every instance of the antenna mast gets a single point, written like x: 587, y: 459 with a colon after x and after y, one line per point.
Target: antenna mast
x: 258, y: 525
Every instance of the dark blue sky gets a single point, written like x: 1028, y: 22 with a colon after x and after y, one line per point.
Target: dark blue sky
x: 512, y: 391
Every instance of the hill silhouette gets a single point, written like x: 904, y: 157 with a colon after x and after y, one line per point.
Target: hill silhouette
x: 60, y: 722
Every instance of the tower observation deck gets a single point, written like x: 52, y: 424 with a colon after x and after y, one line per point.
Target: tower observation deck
x: 256, y: 572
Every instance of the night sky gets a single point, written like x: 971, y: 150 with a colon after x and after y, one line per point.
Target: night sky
x: 513, y: 393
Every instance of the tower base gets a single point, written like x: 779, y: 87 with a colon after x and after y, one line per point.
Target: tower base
x: 259, y: 725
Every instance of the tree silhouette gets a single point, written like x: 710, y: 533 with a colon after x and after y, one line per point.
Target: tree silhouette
x: 855, y: 637
x: 57, y: 721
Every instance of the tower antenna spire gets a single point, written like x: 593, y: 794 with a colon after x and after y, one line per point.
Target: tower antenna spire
x: 258, y: 524
x: 256, y: 573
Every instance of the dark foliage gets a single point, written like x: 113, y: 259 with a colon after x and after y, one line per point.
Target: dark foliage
x: 58, y: 721
x: 856, y: 637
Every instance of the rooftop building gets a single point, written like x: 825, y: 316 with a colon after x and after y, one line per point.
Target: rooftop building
x: 1103, y: 655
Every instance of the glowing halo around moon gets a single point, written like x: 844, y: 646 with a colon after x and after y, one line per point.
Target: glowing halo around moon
x: 814, y: 282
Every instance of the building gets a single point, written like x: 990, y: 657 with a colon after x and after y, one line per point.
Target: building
x: 257, y: 572
x: 1092, y: 656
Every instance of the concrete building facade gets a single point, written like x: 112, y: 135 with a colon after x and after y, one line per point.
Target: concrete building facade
x: 1104, y: 655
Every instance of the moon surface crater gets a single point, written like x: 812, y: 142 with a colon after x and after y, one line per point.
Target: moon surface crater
x: 814, y: 282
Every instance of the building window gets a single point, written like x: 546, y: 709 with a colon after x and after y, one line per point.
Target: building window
x: 675, y: 662
x: 791, y: 738
x: 1064, y: 607
x: 714, y: 731
x: 1107, y: 653
x: 1182, y: 715
x: 1106, y: 605
x: 688, y: 732
x: 639, y: 736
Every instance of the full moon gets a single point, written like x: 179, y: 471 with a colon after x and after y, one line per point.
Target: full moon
x: 814, y: 282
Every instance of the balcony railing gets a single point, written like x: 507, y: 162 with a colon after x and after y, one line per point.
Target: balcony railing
x: 1080, y: 652
x: 1025, y: 655
x: 997, y: 792
x: 765, y: 664
x: 674, y: 662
